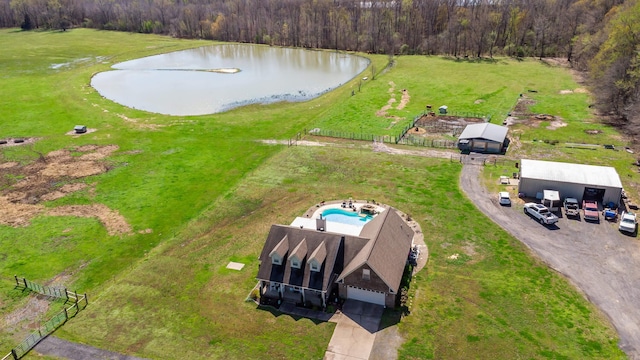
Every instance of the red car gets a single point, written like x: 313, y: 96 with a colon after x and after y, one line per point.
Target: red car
x: 590, y: 208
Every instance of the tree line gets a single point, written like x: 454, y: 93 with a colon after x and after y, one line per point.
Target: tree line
x: 602, y: 36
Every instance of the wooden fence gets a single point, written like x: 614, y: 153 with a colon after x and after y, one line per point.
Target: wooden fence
x: 79, y: 302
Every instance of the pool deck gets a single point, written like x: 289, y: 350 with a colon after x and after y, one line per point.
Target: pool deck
x: 307, y: 220
x: 315, y: 211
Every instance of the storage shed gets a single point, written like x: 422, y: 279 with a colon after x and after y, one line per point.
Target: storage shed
x: 80, y: 129
x: 600, y: 183
x: 483, y: 138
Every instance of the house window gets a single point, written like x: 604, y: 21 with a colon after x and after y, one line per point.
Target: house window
x: 295, y: 264
x: 276, y: 260
x: 366, y: 274
x: 314, y: 267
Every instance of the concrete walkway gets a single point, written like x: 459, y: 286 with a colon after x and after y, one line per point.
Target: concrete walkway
x: 355, y: 331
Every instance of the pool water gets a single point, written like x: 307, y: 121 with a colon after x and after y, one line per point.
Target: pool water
x: 349, y: 217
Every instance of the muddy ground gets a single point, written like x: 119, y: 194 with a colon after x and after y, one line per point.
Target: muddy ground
x: 52, y: 176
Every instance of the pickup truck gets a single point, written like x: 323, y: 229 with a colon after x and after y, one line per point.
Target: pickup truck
x: 540, y: 213
x: 571, y: 207
x: 590, y: 208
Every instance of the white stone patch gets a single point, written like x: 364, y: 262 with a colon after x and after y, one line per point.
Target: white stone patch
x: 235, y: 266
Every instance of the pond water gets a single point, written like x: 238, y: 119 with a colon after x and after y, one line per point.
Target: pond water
x: 218, y: 78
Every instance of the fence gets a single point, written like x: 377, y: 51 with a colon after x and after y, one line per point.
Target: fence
x: 79, y: 302
x: 353, y: 135
x: 294, y: 140
x: 401, y: 138
x: 422, y: 141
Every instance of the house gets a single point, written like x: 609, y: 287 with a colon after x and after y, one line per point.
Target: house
x: 599, y: 183
x: 305, y: 266
x: 484, y: 138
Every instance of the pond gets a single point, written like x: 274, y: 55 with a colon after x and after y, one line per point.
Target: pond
x: 218, y: 78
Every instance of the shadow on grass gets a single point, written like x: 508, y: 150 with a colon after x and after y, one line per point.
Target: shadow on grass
x: 473, y: 59
x: 277, y: 313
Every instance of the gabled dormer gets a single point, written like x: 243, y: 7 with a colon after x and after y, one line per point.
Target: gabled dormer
x: 279, y: 251
x: 317, y: 257
x: 298, y: 254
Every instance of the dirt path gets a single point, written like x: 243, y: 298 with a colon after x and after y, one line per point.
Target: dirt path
x: 596, y: 258
x: 53, y: 346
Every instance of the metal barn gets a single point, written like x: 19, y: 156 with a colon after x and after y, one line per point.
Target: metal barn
x: 600, y: 183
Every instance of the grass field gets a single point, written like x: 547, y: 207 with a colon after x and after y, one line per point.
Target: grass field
x: 209, y: 193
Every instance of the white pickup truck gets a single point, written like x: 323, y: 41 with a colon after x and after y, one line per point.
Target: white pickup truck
x: 541, y: 213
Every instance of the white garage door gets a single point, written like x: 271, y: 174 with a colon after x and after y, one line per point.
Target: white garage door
x: 365, y: 295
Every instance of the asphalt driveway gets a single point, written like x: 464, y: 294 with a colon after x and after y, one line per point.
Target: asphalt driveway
x: 603, y: 263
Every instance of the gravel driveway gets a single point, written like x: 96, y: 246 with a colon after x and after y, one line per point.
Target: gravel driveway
x: 603, y: 263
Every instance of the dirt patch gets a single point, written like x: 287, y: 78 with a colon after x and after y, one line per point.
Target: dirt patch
x: 439, y: 125
x: 417, y: 131
x: 77, y: 169
x: 63, y: 191
x: 75, y: 134
x: 115, y: 223
x: 556, y: 124
x: 16, y: 214
x: 18, y: 141
x: 25, y: 187
x: 404, y: 100
x: 564, y: 92
x: 139, y: 123
x: 9, y: 164
x: 35, y: 308
x: 593, y: 132
x: 522, y: 106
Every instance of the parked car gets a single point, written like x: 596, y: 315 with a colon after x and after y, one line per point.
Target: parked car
x: 540, y: 213
x: 503, y: 198
x: 571, y: 207
x: 590, y: 209
x: 628, y: 222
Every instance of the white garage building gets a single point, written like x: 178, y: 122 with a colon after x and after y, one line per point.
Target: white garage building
x: 600, y: 183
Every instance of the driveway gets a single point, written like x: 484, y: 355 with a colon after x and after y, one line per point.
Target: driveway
x: 596, y: 258
x: 355, y: 331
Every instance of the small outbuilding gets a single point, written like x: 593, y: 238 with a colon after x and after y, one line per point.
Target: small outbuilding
x: 484, y: 138
x: 599, y: 183
x: 80, y: 129
x: 443, y: 109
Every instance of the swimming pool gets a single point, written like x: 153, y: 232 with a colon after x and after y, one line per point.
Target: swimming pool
x: 349, y: 217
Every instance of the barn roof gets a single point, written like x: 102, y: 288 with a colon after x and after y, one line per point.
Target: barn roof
x: 485, y: 131
x: 570, y: 173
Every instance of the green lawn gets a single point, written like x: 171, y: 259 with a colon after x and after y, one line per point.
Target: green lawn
x: 209, y: 192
